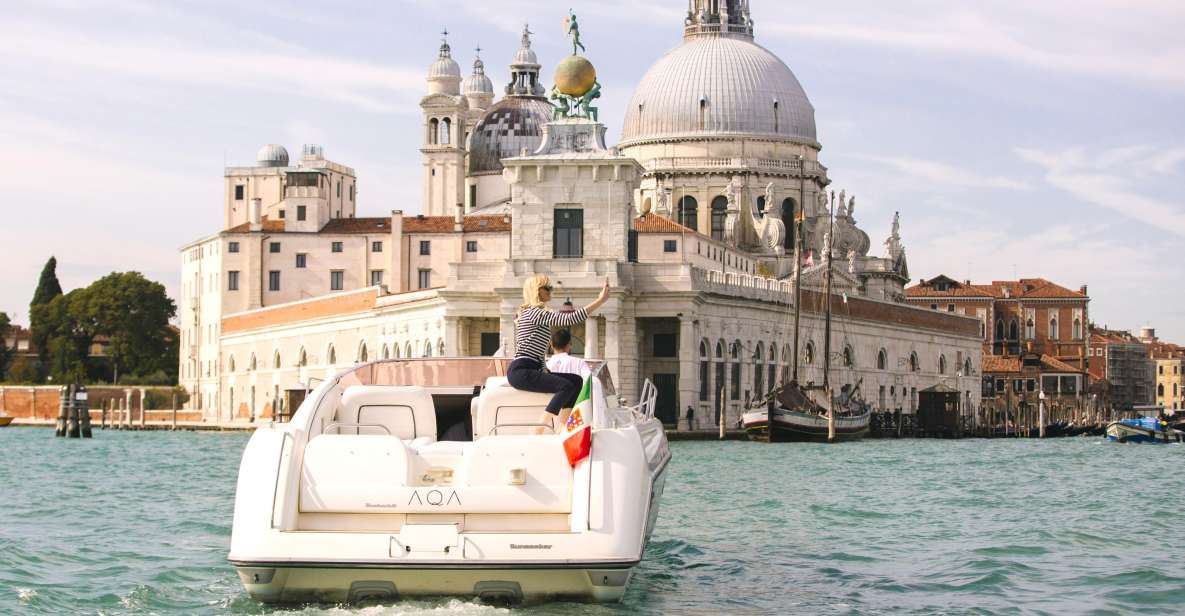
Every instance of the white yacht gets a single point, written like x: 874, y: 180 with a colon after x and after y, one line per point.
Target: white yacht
x: 420, y: 477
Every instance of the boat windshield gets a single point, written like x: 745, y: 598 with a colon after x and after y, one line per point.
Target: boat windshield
x: 466, y: 372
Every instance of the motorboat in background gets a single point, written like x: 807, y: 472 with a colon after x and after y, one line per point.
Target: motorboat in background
x: 424, y: 477
x: 1143, y: 430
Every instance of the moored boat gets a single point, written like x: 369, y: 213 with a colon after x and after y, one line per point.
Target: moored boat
x: 1143, y: 430
x: 5, y: 420
x: 361, y: 498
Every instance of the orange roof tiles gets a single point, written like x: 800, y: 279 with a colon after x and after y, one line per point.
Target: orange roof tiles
x: 997, y: 364
x: 653, y: 223
x: 269, y: 226
x: 337, y: 304
x: 1025, y: 288
x: 357, y: 225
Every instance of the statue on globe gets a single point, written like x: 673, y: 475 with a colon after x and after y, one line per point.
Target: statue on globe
x: 576, y: 84
x: 572, y: 29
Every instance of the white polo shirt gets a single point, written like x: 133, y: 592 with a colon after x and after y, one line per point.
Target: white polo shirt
x: 563, y: 362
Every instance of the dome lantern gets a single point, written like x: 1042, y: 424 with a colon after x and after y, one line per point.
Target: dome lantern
x: 444, y: 75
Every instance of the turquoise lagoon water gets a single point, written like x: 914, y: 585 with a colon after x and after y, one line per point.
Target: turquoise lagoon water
x: 139, y: 523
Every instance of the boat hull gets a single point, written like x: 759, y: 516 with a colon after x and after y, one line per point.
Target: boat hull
x: 4, y: 421
x: 1120, y: 432
x: 513, y: 584
x: 795, y: 427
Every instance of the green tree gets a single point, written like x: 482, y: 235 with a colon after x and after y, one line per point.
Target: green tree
x: 5, y: 352
x: 133, y: 312
x: 48, y: 288
x: 67, y: 337
x: 22, y: 370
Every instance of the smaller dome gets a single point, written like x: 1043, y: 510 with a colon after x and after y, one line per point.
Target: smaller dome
x: 272, y: 155
x: 526, y: 55
x: 477, y: 83
x: 512, y: 124
x: 444, y: 66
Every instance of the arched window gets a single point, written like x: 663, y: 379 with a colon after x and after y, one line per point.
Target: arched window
x: 882, y: 360
x: 759, y: 370
x: 914, y: 365
x: 440, y: 348
x: 1077, y: 329
x: 849, y: 357
x: 230, y: 363
x: 386, y: 352
x: 808, y: 353
x: 705, y: 387
x: 773, y: 366
x: 688, y: 210
x: 1160, y: 389
x: 408, y: 353
x: 276, y: 360
x: 719, y: 213
x: 331, y: 356
x: 982, y: 329
x: 396, y: 350
x: 942, y: 364
x: 967, y: 366
x: 720, y: 362
x: 1029, y: 330
x: 1053, y: 328
x: 761, y: 206
x: 251, y: 366
x: 786, y: 364
x: 999, y: 329
x: 1013, y: 330
x: 428, y: 349
x: 303, y: 358
x: 734, y: 362
x: 363, y: 355
x: 433, y: 131
x: 446, y: 129
x: 788, y: 207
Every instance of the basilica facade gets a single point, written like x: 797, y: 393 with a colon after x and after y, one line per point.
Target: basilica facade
x: 691, y: 217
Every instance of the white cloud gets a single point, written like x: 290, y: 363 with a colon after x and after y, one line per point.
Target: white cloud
x: 1103, y: 180
x: 945, y: 174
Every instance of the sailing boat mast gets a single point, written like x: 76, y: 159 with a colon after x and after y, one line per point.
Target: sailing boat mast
x: 827, y: 249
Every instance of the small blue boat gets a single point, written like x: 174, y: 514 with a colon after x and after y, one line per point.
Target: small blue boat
x: 1143, y: 430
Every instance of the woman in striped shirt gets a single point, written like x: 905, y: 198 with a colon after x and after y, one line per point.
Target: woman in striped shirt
x: 532, y: 338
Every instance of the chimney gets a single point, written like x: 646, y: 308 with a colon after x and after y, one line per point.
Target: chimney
x: 1082, y: 289
x: 458, y: 222
x: 255, y: 215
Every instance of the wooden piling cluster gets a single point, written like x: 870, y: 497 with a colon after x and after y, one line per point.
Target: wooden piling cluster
x: 1008, y: 418
x: 74, y: 416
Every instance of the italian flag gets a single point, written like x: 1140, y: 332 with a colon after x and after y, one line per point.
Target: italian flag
x: 577, y: 432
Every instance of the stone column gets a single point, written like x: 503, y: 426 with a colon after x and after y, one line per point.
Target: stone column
x: 613, y: 353
x: 688, y: 372
x: 506, y: 332
x: 452, y: 334
x: 592, y: 332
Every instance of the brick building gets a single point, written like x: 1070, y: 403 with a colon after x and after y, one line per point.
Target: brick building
x: 1169, y: 362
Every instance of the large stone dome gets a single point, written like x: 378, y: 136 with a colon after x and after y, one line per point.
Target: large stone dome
x: 513, y: 123
x: 719, y: 86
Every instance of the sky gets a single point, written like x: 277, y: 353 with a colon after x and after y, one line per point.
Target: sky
x: 1016, y: 138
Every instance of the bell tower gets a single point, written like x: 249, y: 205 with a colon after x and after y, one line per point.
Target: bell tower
x: 445, y: 113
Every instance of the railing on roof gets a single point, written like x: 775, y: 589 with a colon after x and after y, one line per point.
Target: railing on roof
x: 742, y: 285
x: 303, y: 191
x: 759, y: 164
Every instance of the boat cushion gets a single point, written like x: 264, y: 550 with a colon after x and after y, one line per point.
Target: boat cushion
x: 406, y: 412
x: 502, y: 405
x: 365, y: 473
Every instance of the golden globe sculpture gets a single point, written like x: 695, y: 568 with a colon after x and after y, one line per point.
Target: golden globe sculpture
x: 575, y: 76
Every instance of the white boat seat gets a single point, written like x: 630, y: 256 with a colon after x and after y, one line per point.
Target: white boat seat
x: 405, y: 412
x: 503, y: 405
x: 348, y: 473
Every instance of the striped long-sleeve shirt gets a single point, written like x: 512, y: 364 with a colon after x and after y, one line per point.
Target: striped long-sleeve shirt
x: 533, y: 330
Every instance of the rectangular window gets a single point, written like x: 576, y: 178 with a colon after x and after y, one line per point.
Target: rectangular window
x: 336, y: 246
x: 351, y: 193
x: 232, y: 247
x: 302, y: 260
x: 425, y: 247
x: 490, y: 341
x: 281, y: 214
x: 933, y: 306
x: 337, y: 279
x: 670, y: 245
x: 232, y: 280
x: 665, y: 345
x: 239, y: 192
x: 471, y: 246
x: 273, y: 247
x: 339, y: 189
x: 376, y: 246
x: 376, y: 277
x: 301, y: 212
x: 425, y: 279
x: 273, y: 280
x: 568, y: 233
x: 950, y: 307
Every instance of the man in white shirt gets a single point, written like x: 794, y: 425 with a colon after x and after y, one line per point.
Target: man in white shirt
x: 561, y: 361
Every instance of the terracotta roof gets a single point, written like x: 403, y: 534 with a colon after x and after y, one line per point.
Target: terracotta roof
x: 1031, y: 288
x: 1012, y: 364
x: 1167, y: 350
x: 653, y: 223
x: 444, y: 224
x: 269, y: 226
x: 358, y: 225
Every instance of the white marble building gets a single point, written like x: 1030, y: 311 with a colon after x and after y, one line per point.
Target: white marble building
x: 702, y: 308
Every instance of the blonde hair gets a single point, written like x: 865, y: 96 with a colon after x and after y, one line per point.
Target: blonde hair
x: 531, y: 289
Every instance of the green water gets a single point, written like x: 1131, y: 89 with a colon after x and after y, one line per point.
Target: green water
x: 139, y: 523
